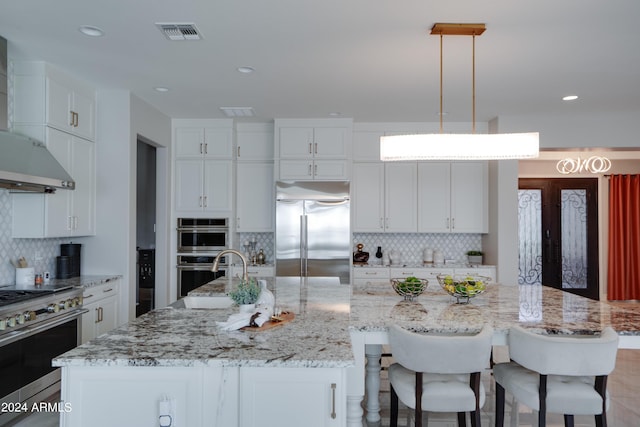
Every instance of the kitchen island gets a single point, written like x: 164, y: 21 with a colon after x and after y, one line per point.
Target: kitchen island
x: 540, y: 308
x: 293, y: 374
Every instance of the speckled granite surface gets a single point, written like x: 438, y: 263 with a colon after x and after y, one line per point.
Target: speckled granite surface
x: 317, y: 337
x: 85, y: 281
x: 326, y: 312
x: 544, y: 309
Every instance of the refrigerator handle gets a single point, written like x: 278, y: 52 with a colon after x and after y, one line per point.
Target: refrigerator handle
x: 303, y: 245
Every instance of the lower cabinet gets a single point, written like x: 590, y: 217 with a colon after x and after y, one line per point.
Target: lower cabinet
x: 254, y: 271
x: 105, y: 396
x: 292, y: 397
x: 102, y: 304
x: 131, y: 396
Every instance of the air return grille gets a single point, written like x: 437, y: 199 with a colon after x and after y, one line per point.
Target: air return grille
x: 184, y: 31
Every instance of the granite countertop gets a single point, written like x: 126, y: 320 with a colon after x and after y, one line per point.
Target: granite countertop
x: 318, y: 336
x: 423, y: 265
x: 544, y: 309
x: 86, y: 281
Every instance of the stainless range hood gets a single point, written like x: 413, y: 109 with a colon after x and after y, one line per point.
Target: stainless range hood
x: 25, y: 164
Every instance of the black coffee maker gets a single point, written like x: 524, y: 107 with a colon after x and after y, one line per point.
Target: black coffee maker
x: 68, y: 263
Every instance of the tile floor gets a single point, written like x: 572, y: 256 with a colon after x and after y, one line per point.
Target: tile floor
x: 623, y: 385
x: 624, y: 389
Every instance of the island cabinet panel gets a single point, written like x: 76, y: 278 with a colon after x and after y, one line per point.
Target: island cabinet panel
x: 292, y: 397
x: 130, y: 396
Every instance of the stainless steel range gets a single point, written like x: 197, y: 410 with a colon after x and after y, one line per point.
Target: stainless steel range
x: 36, y: 325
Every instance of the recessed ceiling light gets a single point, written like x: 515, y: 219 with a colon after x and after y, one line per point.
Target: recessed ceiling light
x: 246, y: 70
x: 570, y: 97
x: 161, y: 89
x: 91, y: 31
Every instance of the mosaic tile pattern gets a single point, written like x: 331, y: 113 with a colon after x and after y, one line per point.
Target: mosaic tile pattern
x: 12, y: 249
x: 265, y: 241
x: 453, y: 246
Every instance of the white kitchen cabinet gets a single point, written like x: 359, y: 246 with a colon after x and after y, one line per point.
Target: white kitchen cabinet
x: 384, y: 197
x: 364, y: 276
x: 255, y: 199
x: 254, y: 141
x: 453, y: 197
x: 130, y: 396
x: 66, y: 213
x: 101, y: 301
x: 313, y: 142
x: 292, y: 397
x: 325, y: 170
x: 45, y: 95
x: 203, y: 185
x: 208, y: 142
x: 366, y: 146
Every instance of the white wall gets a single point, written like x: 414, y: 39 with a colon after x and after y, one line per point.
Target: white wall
x: 121, y: 117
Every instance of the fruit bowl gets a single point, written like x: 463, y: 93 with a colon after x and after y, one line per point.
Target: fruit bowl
x: 463, y: 286
x: 409, y: 287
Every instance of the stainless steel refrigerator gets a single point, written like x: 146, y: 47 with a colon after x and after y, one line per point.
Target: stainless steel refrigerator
x: 312, y: 229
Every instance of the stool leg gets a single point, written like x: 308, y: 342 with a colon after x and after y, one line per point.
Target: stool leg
x: 499, y: 405
x: 393, y: 422
x: 462, y: 419
x: 568, y: 420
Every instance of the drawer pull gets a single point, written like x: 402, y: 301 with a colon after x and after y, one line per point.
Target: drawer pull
x: 333, y: 401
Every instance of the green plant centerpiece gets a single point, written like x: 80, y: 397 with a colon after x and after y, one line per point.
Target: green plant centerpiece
x: 474, y: 257
x: 245, y: 293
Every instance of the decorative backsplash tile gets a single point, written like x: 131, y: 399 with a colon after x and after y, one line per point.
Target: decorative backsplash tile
x: 12, y: 249
x: 411, y: 245
x: 264, y: 241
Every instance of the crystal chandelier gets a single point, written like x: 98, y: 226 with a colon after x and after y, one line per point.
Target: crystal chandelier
x: 446, y: 146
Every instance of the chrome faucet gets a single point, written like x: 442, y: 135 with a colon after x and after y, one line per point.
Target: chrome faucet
x: 216, y: 262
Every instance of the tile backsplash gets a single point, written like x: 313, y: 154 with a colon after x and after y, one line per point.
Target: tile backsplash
x: 11, y: 249
x: 453, y: 246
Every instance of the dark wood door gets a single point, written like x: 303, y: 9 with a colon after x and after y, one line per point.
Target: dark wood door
x: 562, y: 243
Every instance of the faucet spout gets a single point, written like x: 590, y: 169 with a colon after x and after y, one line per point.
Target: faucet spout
x: 216, y: 262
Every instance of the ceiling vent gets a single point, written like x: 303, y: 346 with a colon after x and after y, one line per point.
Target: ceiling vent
x: 238, y: 111
x: 184, y: 31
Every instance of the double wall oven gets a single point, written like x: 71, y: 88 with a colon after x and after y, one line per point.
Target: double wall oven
x: 199, y: 242
x: 36, y: 326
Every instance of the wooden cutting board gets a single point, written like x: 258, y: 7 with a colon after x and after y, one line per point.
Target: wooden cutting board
x: 286, y: 317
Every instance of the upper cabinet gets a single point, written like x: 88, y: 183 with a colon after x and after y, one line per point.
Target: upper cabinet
x: 453, y: 197
x: 254, y: 141
x: 203, y: 165
x: 313, y: 149
x: 58, y: 110
x: 44, y: 95
x: 208, y: 142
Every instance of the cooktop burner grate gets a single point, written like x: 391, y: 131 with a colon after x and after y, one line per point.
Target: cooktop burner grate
x: 14, y: 296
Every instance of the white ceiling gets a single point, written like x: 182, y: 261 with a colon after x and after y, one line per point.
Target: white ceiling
x: 371, y: 60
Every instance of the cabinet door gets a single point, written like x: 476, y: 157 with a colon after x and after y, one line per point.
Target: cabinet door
x: 107, y: 315
x: 84, y: 108
x: 296, y: 170
x: 217, y: 185
x: 189, y: 143
x: 89, y: 322
x: 296, y: 142
x: 254, y: 145
x: 218, y: 143
x: 367, y: 202
x: 83, y: 197
x: 58, y: 100
x: 292, y: 397
x: 330, y: 170
x: 189, y: 185
x: 58, y: 205
x: 254, y: 197
x: 401, y: 197
x: 434, y: 192
x: 366, y: 146
x: 469, y: 197
x: 330, y: 143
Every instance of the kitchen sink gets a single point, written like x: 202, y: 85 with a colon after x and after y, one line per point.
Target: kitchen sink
x: 204, y: 302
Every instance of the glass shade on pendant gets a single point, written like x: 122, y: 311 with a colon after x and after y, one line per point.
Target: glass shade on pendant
x: 448, y: 146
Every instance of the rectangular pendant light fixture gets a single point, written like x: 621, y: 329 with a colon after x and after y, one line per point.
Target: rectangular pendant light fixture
x: 447, y: 146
